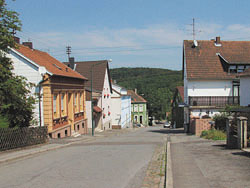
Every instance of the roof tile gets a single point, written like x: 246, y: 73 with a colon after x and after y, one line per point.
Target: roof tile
x: 50, y: 63
x: 203, y: 62
x: 135, y: 98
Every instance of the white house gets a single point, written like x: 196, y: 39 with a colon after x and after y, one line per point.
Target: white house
x: 98, y: 74
x: 33, y: 72
x: 245, y: 88
x: 61, y: 107
x: 120, y: 107
x: 210, y: 70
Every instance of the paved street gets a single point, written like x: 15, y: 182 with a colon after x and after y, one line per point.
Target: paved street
x: 116, y: 161
x: 201, y: 163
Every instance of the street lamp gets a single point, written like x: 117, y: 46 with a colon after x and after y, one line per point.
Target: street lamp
x: 92, y: 66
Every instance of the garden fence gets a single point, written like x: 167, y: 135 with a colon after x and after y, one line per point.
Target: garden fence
x: 11, y: 138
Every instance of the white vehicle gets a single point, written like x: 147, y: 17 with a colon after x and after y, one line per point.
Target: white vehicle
x: 166, y: 125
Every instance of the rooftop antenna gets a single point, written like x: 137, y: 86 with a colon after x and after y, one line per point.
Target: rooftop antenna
x: 193, y: 29
x: 68, y: 50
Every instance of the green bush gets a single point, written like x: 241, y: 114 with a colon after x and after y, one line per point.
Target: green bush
x: 214, y: 134
x: 220, y: 121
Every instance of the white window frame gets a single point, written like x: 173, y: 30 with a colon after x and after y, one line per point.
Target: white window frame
x: 141, y: 108
x: 54, y: 103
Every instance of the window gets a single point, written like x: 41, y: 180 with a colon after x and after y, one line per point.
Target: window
x: 76, y: 103
x: 240, y: 69
x: 81, y: 102
x: 66, y: 132
x: 135, y: 108
x: 82, y: 125
x: 232, y: 69
x: 135, y: 119
x: 132, y: 109
x: 141, y: 108
x: 62, y: 102
x: 55, y: 105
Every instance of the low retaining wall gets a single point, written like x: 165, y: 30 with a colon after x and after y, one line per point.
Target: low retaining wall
x: 198, y: 125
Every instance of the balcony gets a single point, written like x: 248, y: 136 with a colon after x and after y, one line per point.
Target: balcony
x: 217, y: 101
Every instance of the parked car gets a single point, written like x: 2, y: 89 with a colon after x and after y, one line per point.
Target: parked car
x: 166, y: 125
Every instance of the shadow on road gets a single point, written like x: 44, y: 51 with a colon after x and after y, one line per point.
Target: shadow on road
x: 168, y: 131
x: 221, y: 146
x: 242, y: 153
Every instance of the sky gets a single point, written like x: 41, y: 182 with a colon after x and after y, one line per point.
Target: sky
x: 133, y: 33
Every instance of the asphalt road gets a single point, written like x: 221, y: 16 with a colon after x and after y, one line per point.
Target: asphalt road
x: 107, y: 162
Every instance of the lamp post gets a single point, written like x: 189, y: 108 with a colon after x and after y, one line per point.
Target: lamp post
x: 91, y: 70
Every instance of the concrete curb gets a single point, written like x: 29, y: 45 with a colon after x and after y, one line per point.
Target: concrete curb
x: 169, y: 179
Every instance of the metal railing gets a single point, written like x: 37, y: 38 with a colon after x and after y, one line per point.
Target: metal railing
x: 219, y: 101
x: 11, y: 138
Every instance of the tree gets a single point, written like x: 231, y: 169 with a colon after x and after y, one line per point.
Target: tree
x: 16, y: 102
x: 156, y: 86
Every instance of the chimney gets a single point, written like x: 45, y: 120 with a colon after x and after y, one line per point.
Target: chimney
x: 135, y: 90
x: 72, y: 62
x: 217, y: 40
x: 28, y: 44
x: 16, y: 39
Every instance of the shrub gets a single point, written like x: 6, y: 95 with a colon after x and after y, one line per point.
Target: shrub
x: 214, y: 134
x: 220, y: 121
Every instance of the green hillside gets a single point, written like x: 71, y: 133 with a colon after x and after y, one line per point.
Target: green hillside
x: 154, y: 84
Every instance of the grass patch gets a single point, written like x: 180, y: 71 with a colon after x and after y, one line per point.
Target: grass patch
x: 3, y: 122
x: 214, y: 134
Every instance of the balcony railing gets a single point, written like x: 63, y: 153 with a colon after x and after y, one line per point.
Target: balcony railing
x: 218, y: 101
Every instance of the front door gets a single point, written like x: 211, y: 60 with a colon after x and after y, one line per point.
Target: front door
x: 140, y: 119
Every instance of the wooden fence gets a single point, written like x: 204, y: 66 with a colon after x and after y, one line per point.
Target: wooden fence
x: 21, y: 137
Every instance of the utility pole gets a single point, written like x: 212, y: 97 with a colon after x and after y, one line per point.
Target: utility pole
x: 68, y: 51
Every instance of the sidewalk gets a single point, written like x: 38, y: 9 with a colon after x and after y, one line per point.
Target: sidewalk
x: 200, y: 163
x: 53, y: 144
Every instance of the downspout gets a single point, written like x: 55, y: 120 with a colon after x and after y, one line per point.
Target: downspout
x: 40, y: 115
x: 39, y: 97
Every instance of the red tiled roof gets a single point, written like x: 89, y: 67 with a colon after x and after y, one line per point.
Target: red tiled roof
x: 203, y: 62
x: 51, y: 64
x: 181, y: 91
x: 135, y: 98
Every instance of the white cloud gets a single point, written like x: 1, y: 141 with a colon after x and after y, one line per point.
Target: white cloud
x: 108, y: 42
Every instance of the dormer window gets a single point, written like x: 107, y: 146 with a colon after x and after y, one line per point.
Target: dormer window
x: 240, y: 69
x: 236, y: 68
x: 232, y: 69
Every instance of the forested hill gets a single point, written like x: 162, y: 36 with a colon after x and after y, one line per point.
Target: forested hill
x: 154, y: 84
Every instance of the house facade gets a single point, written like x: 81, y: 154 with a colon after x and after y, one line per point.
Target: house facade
x: 120, y: 107
x: 101, y: 84
x: 97, y: 111
x: 177, y: 110
x: 61, y: 105
x: 245, y: 88
x: 210, y: 70
x: 138, y: 108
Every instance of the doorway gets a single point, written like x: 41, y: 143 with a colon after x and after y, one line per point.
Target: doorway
x: 140, y: 119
